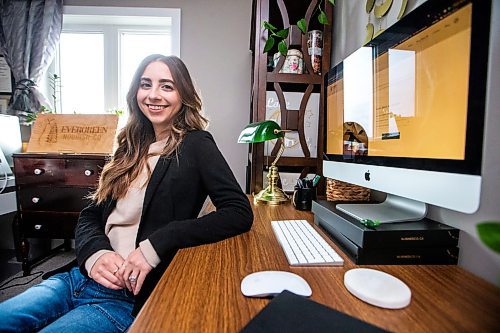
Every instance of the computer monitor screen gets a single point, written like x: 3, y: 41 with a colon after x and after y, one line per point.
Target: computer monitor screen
x: 10, y: 138
x: 405, y: 113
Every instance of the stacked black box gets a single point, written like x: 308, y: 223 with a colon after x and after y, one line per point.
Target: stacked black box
x: 424, y: 242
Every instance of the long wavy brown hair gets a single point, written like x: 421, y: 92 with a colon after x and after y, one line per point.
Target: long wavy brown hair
x: 134, y: 139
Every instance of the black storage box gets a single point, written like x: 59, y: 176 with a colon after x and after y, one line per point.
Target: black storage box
x: 405, y: 243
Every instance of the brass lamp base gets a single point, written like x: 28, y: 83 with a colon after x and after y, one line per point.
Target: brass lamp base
x: 269, y: 197
x: 272, y: 194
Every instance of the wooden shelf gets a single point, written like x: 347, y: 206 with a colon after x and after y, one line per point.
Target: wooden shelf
x: 293, y: 86
x: 294, y: 78
x: 284, y: 13
x: 295, y: 161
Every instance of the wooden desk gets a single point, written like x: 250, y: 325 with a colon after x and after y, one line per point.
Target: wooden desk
x: 200, y: 290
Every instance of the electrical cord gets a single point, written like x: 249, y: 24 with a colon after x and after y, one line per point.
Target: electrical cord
x: 2, y: 286
x: 4, y: 185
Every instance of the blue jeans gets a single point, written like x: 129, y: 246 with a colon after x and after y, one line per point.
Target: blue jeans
x: 68, y: 302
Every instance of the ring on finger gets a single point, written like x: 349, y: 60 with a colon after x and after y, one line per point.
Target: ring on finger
x: 132, y: 278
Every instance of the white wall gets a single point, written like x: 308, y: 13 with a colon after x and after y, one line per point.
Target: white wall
x: 349, y: 25
x: 215, y: 37
x: 350, y: 19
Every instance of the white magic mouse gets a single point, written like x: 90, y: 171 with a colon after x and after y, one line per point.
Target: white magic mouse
x: 270, y: 283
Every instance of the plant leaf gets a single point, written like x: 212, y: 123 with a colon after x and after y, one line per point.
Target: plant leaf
x: 302, y: 25
x: 322, y: 17
x: 269, y: 26
x: 269, y: 44
x: 282, y: 33
x: 489, y: 233
x: 332, y: 2
x: 283, y: 48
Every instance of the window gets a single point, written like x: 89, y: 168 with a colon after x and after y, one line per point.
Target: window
x: 100, y: 48
x: 83, y: 72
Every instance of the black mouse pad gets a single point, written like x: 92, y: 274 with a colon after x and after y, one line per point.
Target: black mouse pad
x: 291, y: 313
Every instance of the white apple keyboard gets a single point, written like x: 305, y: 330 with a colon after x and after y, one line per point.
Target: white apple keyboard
x: 303, y: 245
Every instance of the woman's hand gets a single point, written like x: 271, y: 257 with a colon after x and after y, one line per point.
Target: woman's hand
x: 105, y: 271
x: 134, y: 270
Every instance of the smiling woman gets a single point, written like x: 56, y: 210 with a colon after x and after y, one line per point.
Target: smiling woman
x: 127, y: 237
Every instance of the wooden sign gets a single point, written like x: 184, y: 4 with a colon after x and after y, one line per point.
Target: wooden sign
x: 73, y: 133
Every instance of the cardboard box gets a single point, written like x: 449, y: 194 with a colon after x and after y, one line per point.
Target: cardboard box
x: 73, y: 133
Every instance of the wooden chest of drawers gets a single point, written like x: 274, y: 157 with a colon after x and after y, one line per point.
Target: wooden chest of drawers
x: 51, y: 192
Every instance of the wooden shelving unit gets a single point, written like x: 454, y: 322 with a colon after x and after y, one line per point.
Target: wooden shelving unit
x: 281, y: 13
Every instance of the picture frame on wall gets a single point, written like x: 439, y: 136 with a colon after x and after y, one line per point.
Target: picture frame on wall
x: 311, y: 121
x: 5, y: 77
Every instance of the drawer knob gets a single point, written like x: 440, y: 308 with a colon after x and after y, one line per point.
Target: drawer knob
x: 38, y: 171
x: 38, y: 226
x: 89, y: 172
x: 35, y: 200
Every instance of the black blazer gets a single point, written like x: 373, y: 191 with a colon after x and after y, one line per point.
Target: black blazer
x: 174, y: 197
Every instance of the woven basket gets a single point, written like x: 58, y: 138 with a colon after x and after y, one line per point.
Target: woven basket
x: 340, y: 191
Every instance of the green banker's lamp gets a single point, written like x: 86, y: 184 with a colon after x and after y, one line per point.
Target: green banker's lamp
x: 260, y: 132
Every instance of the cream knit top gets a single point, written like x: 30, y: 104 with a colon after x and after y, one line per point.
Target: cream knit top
x: 123, y: 222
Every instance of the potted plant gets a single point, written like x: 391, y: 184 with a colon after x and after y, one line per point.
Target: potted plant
x: 279, y: 36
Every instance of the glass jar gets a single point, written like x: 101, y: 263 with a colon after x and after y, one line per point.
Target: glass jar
x: 315, y: 49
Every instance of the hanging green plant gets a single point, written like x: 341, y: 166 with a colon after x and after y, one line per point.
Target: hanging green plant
x: 322, y: 18
x: 280, y: 36
x: 275, y: 35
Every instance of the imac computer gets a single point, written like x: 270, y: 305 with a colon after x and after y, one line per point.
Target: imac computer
x: 405, y: 113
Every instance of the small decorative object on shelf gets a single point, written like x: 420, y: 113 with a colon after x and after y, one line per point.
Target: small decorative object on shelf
x: 315, y: 49
x: 294, y: 62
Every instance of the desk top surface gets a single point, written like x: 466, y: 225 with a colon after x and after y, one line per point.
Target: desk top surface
x: 200, y: 290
